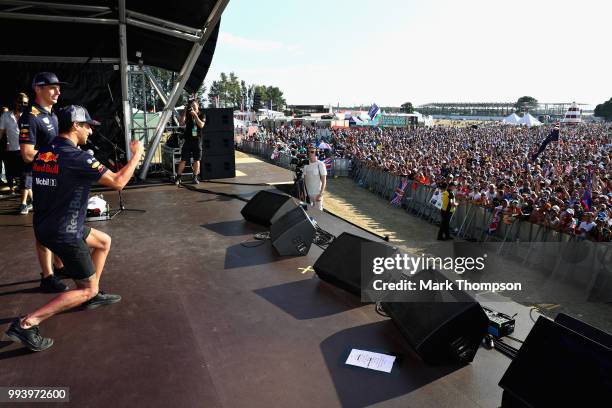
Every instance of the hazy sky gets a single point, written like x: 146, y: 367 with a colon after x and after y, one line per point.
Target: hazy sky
x: 393, y: 51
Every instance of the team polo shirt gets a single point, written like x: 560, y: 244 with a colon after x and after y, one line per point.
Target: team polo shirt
x: 37, y: 126
x: 62, y: 177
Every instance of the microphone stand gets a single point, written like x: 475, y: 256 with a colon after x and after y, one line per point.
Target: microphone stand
x: 122, y: 206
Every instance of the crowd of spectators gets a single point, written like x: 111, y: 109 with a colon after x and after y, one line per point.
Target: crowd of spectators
x: 568, y: 187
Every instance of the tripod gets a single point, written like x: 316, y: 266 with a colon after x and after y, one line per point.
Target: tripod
x: 122, y: 206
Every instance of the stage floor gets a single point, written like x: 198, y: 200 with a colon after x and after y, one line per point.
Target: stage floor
x: 206, y: 321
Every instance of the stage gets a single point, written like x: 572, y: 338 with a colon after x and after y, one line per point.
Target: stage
x: 206, y: 320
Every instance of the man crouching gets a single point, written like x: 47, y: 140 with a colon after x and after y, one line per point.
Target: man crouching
x: 62, y: 177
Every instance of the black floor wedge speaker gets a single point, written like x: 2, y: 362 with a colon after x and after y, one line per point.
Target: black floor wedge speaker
x: 293, y: 233
x: 266, y: 207
x: 441, y: 326
x: 341, y: 262
x: 539, y: 375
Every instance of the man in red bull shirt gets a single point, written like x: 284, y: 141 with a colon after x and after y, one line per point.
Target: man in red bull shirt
x: 37, y: 127
x: 63, y: 175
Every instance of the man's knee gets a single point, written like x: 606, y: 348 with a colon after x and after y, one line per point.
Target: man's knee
x: 106, y: 242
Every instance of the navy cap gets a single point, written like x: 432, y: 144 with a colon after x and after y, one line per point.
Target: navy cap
x: 74, y: 113
x: 45, y: 78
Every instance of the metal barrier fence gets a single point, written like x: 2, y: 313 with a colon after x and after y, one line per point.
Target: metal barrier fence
x: 339, y: 167
x: 469, y: 221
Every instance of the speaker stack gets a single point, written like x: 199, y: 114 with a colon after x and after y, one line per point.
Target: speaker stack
x: 218, y: 159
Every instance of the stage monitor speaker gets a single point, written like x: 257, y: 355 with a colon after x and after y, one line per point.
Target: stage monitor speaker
x: 216, y: 143
x: 559, y: 367
x: 219, y: 120
x: 218, y: 167
x: 293, y: 233
x: 442, y: 326
x: 340, y: 264
x: 265, y: 208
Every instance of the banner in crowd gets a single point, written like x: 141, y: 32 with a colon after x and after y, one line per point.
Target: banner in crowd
x: 397, y: 121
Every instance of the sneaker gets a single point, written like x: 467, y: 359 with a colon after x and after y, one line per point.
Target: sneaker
x: 177, y: 180
x: 59, y: 273
x: 101, y: 299
x: 23, y: 209
x: 30, y: 207
x: 30, y: 338
x: 51, y: 284
x: 195, y: 180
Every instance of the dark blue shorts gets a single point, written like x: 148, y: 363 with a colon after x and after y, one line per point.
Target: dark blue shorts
x: 76, y: 257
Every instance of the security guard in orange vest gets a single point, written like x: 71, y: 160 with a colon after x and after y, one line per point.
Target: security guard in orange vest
x: 448, y: 208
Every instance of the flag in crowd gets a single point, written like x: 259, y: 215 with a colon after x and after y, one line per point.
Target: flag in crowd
x: 328, y: 164
x: 398, y: 195
x: 552, y: 137
x: 374, y: 113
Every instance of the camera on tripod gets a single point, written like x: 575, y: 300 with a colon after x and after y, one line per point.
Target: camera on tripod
x: 299, y: 161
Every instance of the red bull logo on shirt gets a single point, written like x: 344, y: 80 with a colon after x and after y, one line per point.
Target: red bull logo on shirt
x: 46, y: 163
x: 48, y: 157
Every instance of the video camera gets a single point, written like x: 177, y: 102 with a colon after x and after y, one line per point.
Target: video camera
x: 299, y: 161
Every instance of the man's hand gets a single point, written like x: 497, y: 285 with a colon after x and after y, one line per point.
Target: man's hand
x: 193, y: 114
x: 318, y: 197
x: 136, y: 148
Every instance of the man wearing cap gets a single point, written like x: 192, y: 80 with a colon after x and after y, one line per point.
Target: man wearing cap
x: 63, y: 175
x: 37, y: 127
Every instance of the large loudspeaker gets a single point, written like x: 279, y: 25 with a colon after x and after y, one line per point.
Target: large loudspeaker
x: 218, y: 167
x: 219, y: 120
x: 293, y: 233
x: 341, y: 262
x: 564, y: 363
x: 216, y: 143
x: 442, y: 326
x: 266, y: 207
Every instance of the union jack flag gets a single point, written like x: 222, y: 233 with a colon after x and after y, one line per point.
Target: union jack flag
x: 587, y: 199
x: 328, y: 164
x: 396, y: 200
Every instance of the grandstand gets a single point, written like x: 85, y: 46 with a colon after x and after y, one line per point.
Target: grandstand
x: 495, y: 110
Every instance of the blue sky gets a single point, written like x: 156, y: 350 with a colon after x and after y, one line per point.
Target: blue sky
x: 392, y: 51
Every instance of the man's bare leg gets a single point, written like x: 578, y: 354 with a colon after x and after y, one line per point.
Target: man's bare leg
x: 100, y: 242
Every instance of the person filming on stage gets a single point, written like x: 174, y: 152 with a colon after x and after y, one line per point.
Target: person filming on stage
x: 194, y: 121
x: 315, y: 179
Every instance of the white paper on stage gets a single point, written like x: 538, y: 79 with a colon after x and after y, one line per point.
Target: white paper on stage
x: 371, y: 360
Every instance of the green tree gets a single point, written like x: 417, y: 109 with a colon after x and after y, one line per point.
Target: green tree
x: 526, y: 104
x: 407, y: 107
x: 604, y: 110
x: 260, y: 99
x: 275, y: 98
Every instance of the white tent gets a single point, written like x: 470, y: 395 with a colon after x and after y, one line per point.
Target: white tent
x: 512, y: 119
x: 529, y: 120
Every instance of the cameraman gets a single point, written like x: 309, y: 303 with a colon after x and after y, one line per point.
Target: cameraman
x: 194, y: 121
x: 315, y: 178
